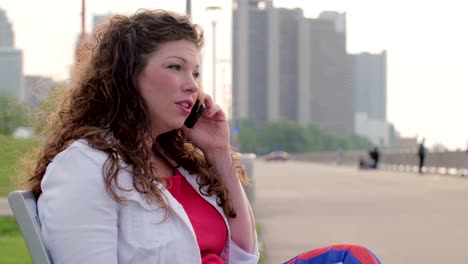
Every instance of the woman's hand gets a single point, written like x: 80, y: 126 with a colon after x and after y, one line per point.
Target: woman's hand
x: 211, y: 135
x: 211, y: 132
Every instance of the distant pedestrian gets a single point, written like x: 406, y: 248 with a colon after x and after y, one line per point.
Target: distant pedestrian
x: 339, y: 155
x: 374, y: 155
x: 421, y: 155
x: 465, y: 162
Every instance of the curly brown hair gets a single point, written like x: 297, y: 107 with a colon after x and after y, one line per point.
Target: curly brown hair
x: 105, y: 107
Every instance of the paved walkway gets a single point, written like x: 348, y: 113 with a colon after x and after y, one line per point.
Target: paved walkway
x: 4, y: 207
x: 402, y: 217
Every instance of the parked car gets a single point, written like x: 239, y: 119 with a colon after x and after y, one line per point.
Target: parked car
x: 276, y: 155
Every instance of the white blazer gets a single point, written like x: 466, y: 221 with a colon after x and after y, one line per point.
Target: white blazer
x: 82, y: 224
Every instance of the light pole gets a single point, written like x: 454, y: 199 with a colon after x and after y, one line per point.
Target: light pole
x: 214, y: 12
x: 188, y: 7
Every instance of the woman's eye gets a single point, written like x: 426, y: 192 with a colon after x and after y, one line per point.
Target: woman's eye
x: 174, y: 67
x: 196, y: 75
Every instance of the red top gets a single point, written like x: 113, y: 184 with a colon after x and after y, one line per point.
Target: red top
x: 209, y: 226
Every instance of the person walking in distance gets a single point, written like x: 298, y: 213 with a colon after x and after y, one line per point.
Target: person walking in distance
x: 374, y: 154
x: 421, y: 155
x: 465, y: 162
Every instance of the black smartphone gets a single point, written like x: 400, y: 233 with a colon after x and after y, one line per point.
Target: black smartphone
x: 195, y: 114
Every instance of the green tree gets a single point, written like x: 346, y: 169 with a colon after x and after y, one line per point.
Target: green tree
x: 246, y: 136
x: 47, y: 107
x: 289, y: 136
x: 357, y: 142
x: 13, y: 114
x: 248, y: 140
x: 282, y: 134
x: 314, y: 136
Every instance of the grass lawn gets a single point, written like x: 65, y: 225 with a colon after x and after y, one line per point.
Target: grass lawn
x: 12, y: 247
x: 11, y: 152
x: 259, y: 234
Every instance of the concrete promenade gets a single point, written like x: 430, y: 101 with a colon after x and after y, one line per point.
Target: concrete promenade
x: 402, y: 217
x: 4, y: 207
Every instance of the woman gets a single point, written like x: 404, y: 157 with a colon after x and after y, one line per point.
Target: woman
x: 120, y: 179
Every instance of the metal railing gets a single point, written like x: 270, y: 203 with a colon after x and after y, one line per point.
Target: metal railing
x: 450, y: 162
x: 247, y: 160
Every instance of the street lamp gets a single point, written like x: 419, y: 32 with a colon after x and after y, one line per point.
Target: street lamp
x: 214, y: 12
x: 188, y: 7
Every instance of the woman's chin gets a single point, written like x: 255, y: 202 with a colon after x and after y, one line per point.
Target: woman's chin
x: 175, y: 126
x: 169, y: 128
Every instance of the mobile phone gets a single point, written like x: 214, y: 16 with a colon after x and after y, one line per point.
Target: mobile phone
x: 195, y: 114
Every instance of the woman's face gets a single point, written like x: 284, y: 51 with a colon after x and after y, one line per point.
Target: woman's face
x: 168, y: 84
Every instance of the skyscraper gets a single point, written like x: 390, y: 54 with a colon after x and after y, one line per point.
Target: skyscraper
x: 265, y: 81
x: 11, y: 62
x: 6, y: 33
x: 287, y: 66
x: 246, y: 45
x: 328, y: 74
x: 371, y: 84
x: 371, y: 98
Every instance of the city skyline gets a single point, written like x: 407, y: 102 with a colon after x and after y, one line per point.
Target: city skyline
x: 299, y: 64
x: 427, y: 52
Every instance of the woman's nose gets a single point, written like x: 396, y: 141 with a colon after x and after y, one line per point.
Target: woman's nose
x: 191, y: 86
